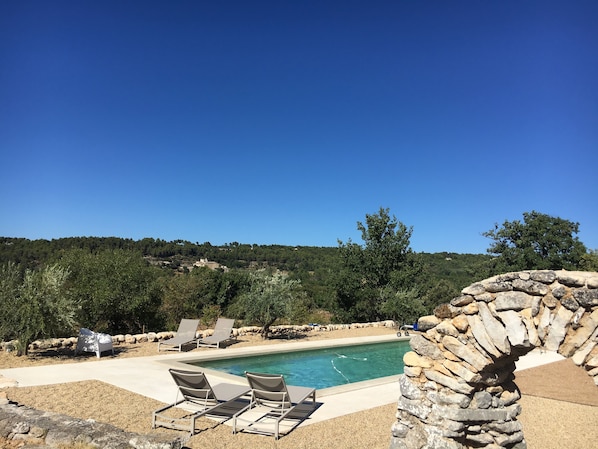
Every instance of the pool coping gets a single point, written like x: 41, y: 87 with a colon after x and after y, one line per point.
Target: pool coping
x: 295, y: 346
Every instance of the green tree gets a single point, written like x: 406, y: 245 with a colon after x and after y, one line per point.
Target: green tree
x: 540, y: 242
x: 440, y: 292
x: 270, y: 297
x: 385, y: 262
x: 589, y: 260
x: 115, y: 290
x: 402, y: 306
x: 33, y: 304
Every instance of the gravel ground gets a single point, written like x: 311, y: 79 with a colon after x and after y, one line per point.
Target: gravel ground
x: 560, y: 404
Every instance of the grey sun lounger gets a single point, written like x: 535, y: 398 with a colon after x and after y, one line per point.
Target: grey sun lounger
x: 272, y: 401
x: 185, y: 335
x: 223, y: 332
x: 199, y: 398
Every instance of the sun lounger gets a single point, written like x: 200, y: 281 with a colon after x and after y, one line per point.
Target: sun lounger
x: 185, y: 335
x: 199, y: 398
x: 90, y: 341
x: 223, y: 332
x: 272, y: 401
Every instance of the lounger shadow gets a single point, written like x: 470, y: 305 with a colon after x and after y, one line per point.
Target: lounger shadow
x: 272, y: 402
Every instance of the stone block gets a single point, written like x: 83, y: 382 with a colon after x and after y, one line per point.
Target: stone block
x: 571, y: 278
x: 546, y: 317
x: 499, y: 286
x: 509, y: 397
x: 480, y: 439
x: 516, y: 330
x: 574, y: 340
x: 425, y: 347
x: 546, y: 277
x: 427, y: 322
x: 412, y: 359
x: 459, y: 370
x: 446, y: 328
x: 513, y: 300
x: 412, y: 371
x: 479, y: 332
x: 485, y: 297
x: 462, y: 300
x: 481, y: 399
x: 447, y: 397
x: 495, y: 329
x: 586, y: 297
x: 580, y: 355
x: 558, y: 329
x: 460, y: 323
x: 466, y: 352
x: 508, y: 440
x: 478, y: 415
x: 531, y: 287
x: 532, y: 332
x: 415, y: 408
x: 409, y: 389
x: 474, y: 289
x: 470, y: 309
x: 450, y: 382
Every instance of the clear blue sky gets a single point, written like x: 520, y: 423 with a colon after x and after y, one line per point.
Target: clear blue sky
x: 276, y: 122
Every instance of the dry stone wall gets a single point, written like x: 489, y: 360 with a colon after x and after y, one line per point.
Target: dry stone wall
x: 457, y: 390
x: 33, y: 428
x: 275, y: 332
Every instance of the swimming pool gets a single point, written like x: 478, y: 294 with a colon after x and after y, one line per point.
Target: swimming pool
x: 321, y: 368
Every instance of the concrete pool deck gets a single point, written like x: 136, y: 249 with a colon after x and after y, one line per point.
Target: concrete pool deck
x: 149, y: 377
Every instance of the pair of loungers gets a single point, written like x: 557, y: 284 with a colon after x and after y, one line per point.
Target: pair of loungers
x: 187, y: 334
x: 258, y: 407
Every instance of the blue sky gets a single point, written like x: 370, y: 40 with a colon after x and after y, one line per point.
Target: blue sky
x: 275, y: 122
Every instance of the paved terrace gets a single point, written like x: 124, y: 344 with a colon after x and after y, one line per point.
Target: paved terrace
x: 148, y: 376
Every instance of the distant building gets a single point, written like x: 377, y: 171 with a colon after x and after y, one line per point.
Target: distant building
x: 211, y: 265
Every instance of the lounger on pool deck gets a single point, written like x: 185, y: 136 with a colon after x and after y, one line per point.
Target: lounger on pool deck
x: 196, y: 396
x: 272, y: 401
x: 223, y: 332
x: 186, y: 334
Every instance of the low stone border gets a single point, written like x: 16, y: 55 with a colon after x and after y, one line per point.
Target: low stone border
x: 19, y: 423
x: 275, y: 331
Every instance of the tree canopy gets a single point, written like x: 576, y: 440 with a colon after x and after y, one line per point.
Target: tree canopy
x: 540, y: 242
x: 379, y: 272
x: 270, y: 297
x: 34, y: 304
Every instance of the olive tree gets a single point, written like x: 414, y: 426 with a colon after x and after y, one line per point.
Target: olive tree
x: 540, y: 242
x: 270, y: 297
x: 34, y: 304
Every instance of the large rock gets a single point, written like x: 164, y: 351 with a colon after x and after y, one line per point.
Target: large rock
x: 467, y: 353
x: 495, y: 329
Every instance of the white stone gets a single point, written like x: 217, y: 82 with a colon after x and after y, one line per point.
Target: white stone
x: 479, y: 332
x: 465, y: 352
x: 495, y: 330
x: 513, y: 301
x: 516, y: 331
x: 558, y: 329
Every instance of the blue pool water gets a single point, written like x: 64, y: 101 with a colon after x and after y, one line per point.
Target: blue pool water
x: 322, y: 368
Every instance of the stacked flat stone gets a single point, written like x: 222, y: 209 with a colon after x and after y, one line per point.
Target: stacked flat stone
x: 457, y: 390
x: 70, y: 342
